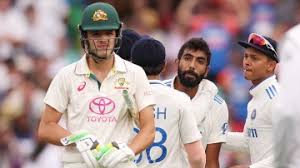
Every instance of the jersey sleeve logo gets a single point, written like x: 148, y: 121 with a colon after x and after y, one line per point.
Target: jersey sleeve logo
x: 218, y: 99
x: 224, y: 128
x: 271, y: 91
x: 253, y: 114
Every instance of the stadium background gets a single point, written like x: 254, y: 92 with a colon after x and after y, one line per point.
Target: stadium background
x: 38, y: 37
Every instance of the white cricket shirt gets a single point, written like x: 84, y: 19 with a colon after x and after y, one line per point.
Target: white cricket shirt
x: 287, y: 116
x: 210, y: 111
x: 257, y: 135
x: 175, y: 126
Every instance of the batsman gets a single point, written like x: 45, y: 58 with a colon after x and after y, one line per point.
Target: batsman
x: 101, y: 97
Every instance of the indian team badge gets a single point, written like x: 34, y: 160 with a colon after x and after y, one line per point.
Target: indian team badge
x: 224, y: 128
x: 253, y: 114
x: 99, y: 15
x: 121, y: 83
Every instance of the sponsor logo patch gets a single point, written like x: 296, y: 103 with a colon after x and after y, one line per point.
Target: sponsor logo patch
x: 102, y: 105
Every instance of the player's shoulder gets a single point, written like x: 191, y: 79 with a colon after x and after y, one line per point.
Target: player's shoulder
x: 272, y: 90
x: 294, y: 32
x: 218, y: 99
x: 67, y: 70
x: 209, y: 87
x: 172, y: 93
x: 129, y: 66
x: 179, y: 94
x: 181, y: 99
x: 169, y: 97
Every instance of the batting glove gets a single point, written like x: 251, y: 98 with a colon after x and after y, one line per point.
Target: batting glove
x: 85, y: 143
x: 120, y: 153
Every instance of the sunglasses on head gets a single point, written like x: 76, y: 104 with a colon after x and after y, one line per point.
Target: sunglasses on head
x: 261, y: 41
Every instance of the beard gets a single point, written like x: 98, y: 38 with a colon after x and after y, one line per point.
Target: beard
x: 188, y: 81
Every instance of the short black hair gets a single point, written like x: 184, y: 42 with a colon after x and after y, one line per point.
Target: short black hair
x: 196, y: 44
x: 129, y: 37
x: 154, y: 70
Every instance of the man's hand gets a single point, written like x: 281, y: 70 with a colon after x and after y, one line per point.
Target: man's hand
x: 119, y: 153
x: 85, y: 143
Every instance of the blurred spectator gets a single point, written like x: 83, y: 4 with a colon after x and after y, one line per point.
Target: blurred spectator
x: 178, y: 33
x: 217, y: 21
x: 262, y: 18
x: 13, y: 34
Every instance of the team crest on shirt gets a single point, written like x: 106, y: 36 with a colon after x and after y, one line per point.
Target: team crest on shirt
x: 121, y: 83
x: 253, y: 114
x: 224, y: 128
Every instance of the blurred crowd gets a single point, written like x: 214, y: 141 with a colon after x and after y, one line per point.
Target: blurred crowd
x: 38, y: 37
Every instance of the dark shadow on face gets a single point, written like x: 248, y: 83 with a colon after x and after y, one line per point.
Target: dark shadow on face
x: 189, y: 78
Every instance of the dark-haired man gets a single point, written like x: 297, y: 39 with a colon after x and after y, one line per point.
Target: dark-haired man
x: 174, y: 119
x: 259, y: 62
x: 211, y: 110
x: 101, y: 94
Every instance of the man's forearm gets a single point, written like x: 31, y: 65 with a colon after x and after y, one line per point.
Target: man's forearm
x: 142, y: 140
x: 196, y: 154
x: 52, y: 133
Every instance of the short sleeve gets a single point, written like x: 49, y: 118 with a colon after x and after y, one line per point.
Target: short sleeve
x: 143, y: 95
x: 57, y: 94
x: 187, y: 124
x: 219, y: 122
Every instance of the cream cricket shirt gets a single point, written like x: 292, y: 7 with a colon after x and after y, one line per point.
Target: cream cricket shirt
x: 99, y: 108
x: 175, y: 126
x: 210, y: 111
x: 287, y: 115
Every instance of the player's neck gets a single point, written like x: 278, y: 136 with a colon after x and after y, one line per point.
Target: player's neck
x: 153, y: 77
x: 102, y: 68
x: 260, y: 80
x: 189, y: 91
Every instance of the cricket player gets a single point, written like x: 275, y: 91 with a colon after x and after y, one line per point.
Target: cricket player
x: 212, y: 113
x: 101, y: 96
x: 176, y: 127
x: 287, y: 117
x: 259, y: 62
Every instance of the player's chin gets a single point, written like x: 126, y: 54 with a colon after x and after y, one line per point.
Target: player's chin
x: 104, y: 53
x: 248, y: 75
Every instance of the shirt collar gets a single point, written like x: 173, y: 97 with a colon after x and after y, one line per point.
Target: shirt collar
x: 83, y: 69
x: 172, y: 82
x: 119, y: 65
x: 156, y: 82
x: 262, y: 85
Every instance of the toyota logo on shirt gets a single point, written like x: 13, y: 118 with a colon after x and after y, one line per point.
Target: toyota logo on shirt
x: 102, y: 105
